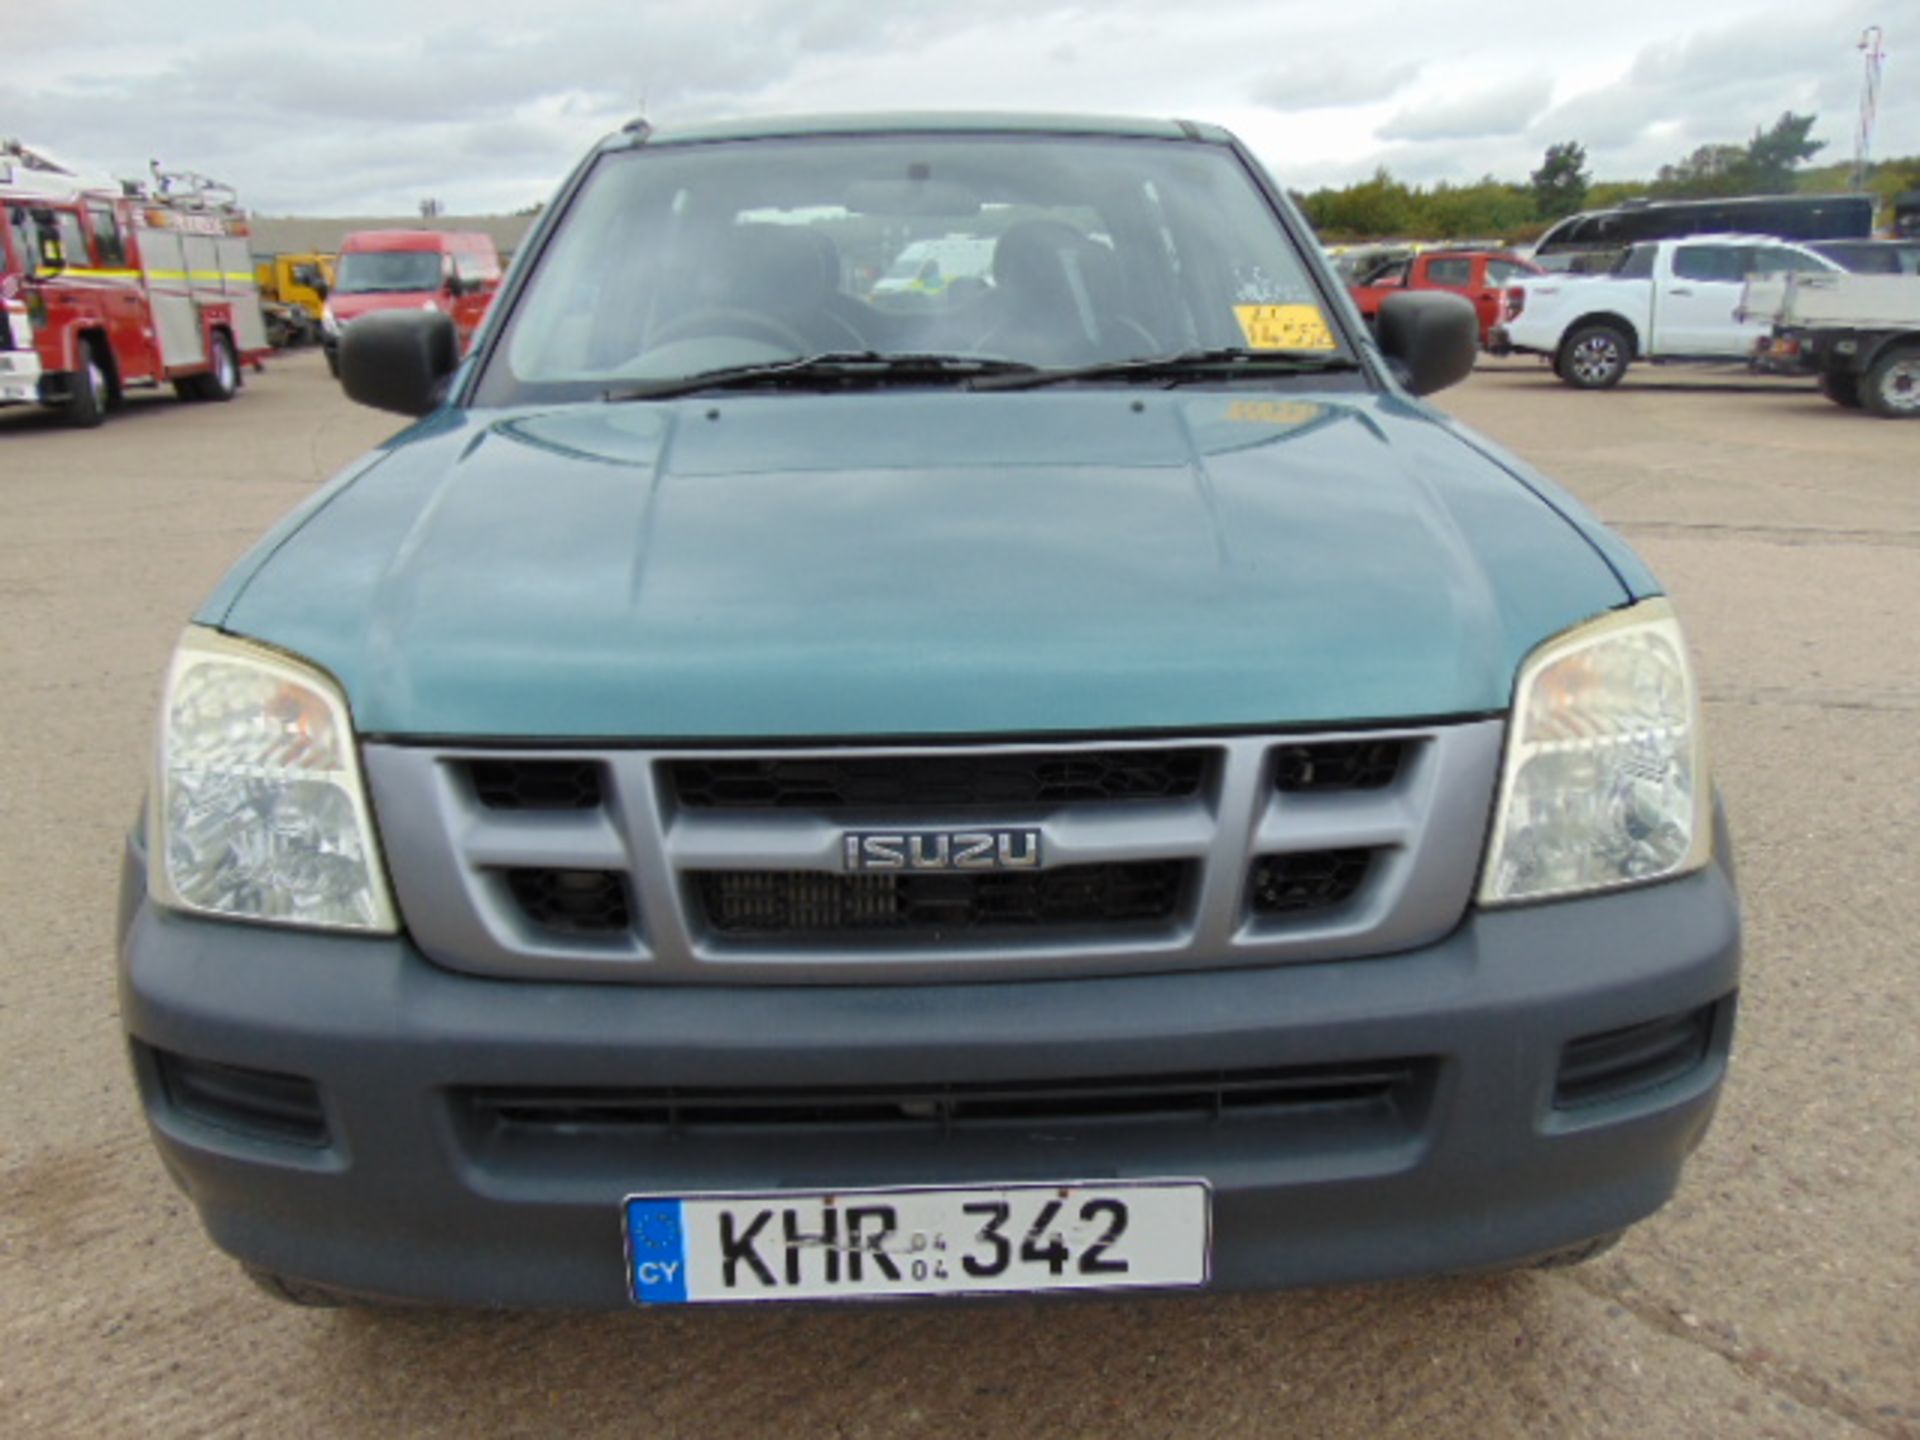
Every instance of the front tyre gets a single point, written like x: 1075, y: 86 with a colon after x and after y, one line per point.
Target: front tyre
x: 1891, y: 386
x: 90, y: 392
x: 1594, y: 357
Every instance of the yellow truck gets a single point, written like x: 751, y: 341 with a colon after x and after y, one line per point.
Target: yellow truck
x: 293, y: 289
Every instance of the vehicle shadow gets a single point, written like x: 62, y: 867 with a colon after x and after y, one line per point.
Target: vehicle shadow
x: 1358, y: 1361
x: 140, y: 404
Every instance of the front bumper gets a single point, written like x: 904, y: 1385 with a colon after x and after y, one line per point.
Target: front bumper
x: 409, y: 1197
x: 19, y: 376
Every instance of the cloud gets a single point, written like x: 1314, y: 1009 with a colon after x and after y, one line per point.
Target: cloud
x: 1323, y: 84
x: 1506, y: 110
x: 366, y: 105
x: 1718, y: 85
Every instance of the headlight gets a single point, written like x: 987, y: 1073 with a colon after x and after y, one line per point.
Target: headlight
x: 259, y: 812
x: 1605, y: 781
x: 327, y: 321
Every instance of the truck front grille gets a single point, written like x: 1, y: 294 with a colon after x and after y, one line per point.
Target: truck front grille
x: 692, y: 866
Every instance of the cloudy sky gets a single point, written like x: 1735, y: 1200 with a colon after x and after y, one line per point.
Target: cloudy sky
x: 366, y: 106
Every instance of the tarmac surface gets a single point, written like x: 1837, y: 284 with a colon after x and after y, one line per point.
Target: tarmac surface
x: 1778, y: 1295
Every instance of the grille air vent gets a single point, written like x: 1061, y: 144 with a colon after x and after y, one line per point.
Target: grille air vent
x: 573, y: 902
x: 1338, y: 765
x: 800, y: 903
x: 536, y: 784
x: 938, y: 782
x: 1307, y: 880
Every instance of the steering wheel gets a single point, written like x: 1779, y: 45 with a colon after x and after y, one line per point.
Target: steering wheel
x: 746, y: 324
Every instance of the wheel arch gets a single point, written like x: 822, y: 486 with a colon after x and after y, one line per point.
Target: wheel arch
x: 1611, y: 318
x: 1867, y: 357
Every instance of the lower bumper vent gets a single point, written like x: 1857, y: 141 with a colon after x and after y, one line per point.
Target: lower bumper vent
x: 1618, y: 1063
x: 1388, y: 1086
x: 261, y: 1103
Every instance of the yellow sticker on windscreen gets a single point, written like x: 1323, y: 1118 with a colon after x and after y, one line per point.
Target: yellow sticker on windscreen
x: 1284, y: 327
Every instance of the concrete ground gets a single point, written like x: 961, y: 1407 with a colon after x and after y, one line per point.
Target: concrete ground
x: 1779, y: 1295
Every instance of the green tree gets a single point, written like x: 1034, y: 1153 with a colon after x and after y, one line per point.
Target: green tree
x: 1377, y: 207
x: 1560, y: 184
x: 1773, y: 154
x: 1709, y: 170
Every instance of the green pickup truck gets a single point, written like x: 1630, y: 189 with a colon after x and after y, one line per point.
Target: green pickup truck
x: 1075, y: 782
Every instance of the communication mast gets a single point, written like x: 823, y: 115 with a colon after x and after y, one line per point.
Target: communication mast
x: 1873, y: 54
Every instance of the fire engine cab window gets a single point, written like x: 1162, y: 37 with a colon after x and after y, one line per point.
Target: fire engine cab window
x: 26, y: 243
x: 73, y: 240
x: 369, y: 272
x: 106, y: 236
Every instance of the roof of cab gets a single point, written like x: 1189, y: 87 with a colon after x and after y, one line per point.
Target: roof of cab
x: 923, y: 122
x: 399, y: 239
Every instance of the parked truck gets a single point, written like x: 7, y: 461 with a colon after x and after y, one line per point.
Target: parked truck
x: 764, y: 797
x: 125, y: 284
x: 1478, y: 276
x: 1666, y: 301
x: 1860, y: 334
x: 293, y: 293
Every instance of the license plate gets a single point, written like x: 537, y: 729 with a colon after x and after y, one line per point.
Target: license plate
x: 918, y: 1240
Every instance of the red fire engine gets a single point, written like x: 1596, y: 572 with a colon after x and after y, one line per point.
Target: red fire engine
x: 121, y: 286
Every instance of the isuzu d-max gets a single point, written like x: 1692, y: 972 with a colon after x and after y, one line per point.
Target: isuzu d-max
x: 1076, y: 782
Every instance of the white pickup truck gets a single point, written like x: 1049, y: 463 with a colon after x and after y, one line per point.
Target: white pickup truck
x: 1666, y: 300
x: 1859, y: 333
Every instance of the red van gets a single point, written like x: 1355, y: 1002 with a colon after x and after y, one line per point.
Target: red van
x: 452, y: 270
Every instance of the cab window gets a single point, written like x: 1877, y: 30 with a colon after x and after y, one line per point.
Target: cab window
x: 73, y: 239
x: 1720, y: 264
x: 1775, y: 260
x: 1455, y: 270
x: 107, y: 243
x: 25, y: 239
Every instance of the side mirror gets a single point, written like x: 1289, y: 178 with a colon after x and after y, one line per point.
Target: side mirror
x: 1432, y: 335
x: 398, y: 360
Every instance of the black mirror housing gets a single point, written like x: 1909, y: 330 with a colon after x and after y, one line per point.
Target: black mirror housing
x: 1435, y: 335
x: 399, y: 360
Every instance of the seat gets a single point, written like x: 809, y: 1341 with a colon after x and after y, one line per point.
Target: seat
x: 792, y: 275
x: 1057, y: 298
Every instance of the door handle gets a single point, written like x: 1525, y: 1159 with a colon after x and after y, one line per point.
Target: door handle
x: 1679, y: 290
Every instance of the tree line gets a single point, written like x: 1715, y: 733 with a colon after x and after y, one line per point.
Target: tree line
x: 1773, y: 162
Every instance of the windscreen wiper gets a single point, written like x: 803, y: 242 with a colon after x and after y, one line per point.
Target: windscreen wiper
x: 1228, y: 362
x: 870, y: 366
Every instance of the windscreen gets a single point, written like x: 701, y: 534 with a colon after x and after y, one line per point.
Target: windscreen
x: 371, y: 272
x: 677, y: 260
x: 21, y: 251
